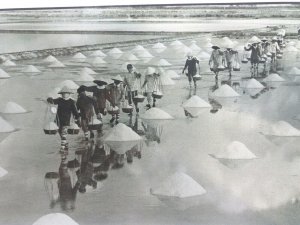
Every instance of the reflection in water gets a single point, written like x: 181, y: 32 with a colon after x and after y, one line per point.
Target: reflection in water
x: 91, y: 165
x: 153, y: 132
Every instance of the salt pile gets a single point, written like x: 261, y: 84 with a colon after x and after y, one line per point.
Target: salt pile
x: 122, y: 138
x: 85, y: 77
x: 50, y: 58
x: 194, y: 47
x: 179, y: 185
x: 203, y: 56
x: 156, y: 114
x: 165, y: 79
x: 145, y: 54
x: 98, y: 53
x: 115, y: 51
x: 79, y: 55
x: 225, y: 91
x: 3, y: 74
x: 273, y: 77
x: 163, y: 62
x: 182, y: 51
x: 172, y: 74
x: 5, y: 126
x: 56, y: 64
x: 3, y: 172
x: 98, y: 60
x: 68, y: 83
x: 12, y: 107
x: 129, y: 57
x: 8, y: 63
x: 236, y: 150
x: 87, y: 70
x: 31, y: 69
x: 55, y: 219
x: 196, y: 102
x: 294, y: 71
x: 159, y: 46
x: 253, y: 84
x: 176, y: 43
x: 138, y: 48
x: 282, y: 128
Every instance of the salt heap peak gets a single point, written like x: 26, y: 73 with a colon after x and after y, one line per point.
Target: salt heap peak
x: 236, y: 150
x: 50, y: 58
x: 55, y: 219
x: 5, y: 127
x: 3, y: 74
x: 156, y: 114
x: 144, y: 54
x: 122, y: 138
x: 3, y: 172
x: 273, y: 77
x: 98, y: 60
x: 225, y: 91
x: 158, y: 46
x: 115, y: 51
x: 203, y: 56
x: 129, y: 57
x: 253, y: 84
x: 196, y: 102
x: 176, y: 43
x: 284, y: 129
x: 79, y: 55
x: 172, y: 74
x: 165, y: 79
x: 56, y: 64
x: 138, y: 48
x: 12, y: 107
x: 163, y: 62
x: 294, y: 71
x: 195, y: 47
x: 68, y: 83
x: 87, y: 70
x: 31, y: 69
x: 85, y: 77
x: 98, y: 53
x: 8, y: 63
x: 179, y: 185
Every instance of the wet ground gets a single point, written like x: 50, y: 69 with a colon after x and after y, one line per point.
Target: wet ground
x: 263, y: 191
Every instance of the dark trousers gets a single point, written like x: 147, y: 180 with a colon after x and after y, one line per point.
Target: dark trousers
x: 131, y: 95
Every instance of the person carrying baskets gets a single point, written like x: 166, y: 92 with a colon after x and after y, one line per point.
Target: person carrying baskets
x: 255, y: 57
x: 231, y: 58
x: 215, y: 61
x: 190, y: 65
x: 66, y: 108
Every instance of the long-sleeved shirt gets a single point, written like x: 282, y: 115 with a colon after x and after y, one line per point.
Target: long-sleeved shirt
x: 66, y: 107
x: 85, y: 104
x: 101, y: 96
x: 190, y: 64
x: 115, y: 93
x: 255, y: 53
x: 130, y: 81
x: 152, y: 83
x: 229, y: 55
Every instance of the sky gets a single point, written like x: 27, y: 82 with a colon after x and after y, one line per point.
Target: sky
x: 71, y: 3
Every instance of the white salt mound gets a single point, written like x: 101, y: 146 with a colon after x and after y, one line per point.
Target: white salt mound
x: 196, y: 102
x: 203, y: 55
x: 253, y: 83
x: 172, y: 74
x: 225, y: 91
x: 179, y: 185
x: 85, y: 77
x: 31, y: 69
x: 145, y: 54
x: 236, y: 150
x: 55, y: 219
x: 79, y: 55
x: 176, y: 43
x: 8, y: 63
x: 5, y: 126
x: 291, y: 49
x: 88, y: 70
x: 195, y: 47
x: 129, y: 57
x: 51, y: 126
x: 69, y: 83
x: 138, y: 48
x: 115, y: 51
x: 121, y: 132
x: 12, y: 107
x: 166, y: 80
x: 56, y: 64
x: 294, y: 71
x: 282, y: 128
x: 156, y: 114
x: 50, y: 58
x: 98, y: 53
x: 3, y: 172
x: 158, y: 46
x: 3, y: 74
x: 98, y: 60
x: 273, y: 77
x: 163, y: 62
